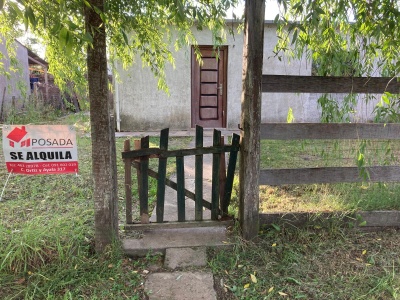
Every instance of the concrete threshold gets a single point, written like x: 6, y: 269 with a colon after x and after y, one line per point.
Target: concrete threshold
x: 158, y: 240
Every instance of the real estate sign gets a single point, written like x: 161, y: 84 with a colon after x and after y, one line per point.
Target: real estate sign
x: 40, y: 149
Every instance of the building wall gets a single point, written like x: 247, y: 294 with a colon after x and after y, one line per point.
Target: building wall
x: 17, y: 85
x: 144, y: 107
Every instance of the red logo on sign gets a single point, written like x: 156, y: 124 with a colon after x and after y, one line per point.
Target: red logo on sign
x: 17, y: 135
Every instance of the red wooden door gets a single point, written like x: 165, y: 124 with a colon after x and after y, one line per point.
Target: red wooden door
x: 209, y: 87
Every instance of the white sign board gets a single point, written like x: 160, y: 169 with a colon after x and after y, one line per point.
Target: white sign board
x: 40, y: 149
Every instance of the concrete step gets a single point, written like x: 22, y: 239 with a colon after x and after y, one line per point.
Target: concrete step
x: 157, y: 240
x: 180, y: 286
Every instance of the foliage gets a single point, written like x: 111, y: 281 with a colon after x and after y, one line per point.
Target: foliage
x: 342, y: 38
x: 142, y: 29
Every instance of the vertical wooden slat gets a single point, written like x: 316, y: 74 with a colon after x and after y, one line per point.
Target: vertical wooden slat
x: 215, y: 176
x: 138, y: 172
x: 222, y: 174
x: 128, y: 184
x: 180, y: 178
x: 199, y: 176
x: 162, y: 169
x: 230, y: 175
x: 144, y: 183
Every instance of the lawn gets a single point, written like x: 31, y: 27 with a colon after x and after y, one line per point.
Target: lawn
x: 310, y: 263
x: 46, y: 244
x: 329, y: 197
x: 46, y: 232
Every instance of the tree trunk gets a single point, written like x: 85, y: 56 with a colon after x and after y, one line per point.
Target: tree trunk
x: 103, y: 136
x: 251, y: 117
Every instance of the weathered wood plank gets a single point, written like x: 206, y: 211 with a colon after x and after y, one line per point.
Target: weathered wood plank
x: 222, y: 177
x: 293, y: 131
x: 172, y: 225
x: 371, y: 219
x: 156, y: 152
x: 199, y: 176
x: 180, y: 180
x: 328, y: 175
x: 230, y: 175
x: 174, y: 186
x: 320, y: 84
x: 128, y: 185
x: 144, y: 183
x: 215, y: 177
x: 162, y: 171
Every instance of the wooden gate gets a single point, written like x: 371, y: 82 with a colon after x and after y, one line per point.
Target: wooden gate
x: 139, y: 159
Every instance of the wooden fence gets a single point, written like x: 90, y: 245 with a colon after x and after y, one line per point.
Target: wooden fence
x: 294, y: 131
x: 313, y: 131
x: 139, y: 159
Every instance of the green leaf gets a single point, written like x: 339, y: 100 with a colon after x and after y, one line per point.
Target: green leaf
x: 87, y: 37
x: 63, y: 37
x: 294, y: 38
x: 363, y: 223
x: 125, y: 37
x: 290, y: 116
x: 276, y: 227
x: 1, y: 4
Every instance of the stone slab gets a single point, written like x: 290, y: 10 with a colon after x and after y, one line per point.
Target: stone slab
x: 180, y: 286
x: 185, y: 257
x: 158, y: 240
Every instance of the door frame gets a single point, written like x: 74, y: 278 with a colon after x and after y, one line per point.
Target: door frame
x: 194, y: 76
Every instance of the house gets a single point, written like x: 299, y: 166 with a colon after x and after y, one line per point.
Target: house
x: 20, y: 75
x: 16, y: 83
x: 209, y: 94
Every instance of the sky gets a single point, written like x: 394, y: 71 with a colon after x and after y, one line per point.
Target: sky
x: 271, y: 9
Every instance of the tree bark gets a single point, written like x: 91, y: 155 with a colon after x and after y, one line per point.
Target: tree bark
x: 251, y: 117
x: 102, y: 133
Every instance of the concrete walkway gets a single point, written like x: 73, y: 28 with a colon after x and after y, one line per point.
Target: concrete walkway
x: 185, y: 274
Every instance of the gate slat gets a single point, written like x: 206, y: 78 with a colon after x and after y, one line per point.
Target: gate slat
x: 128, y: 185
x: 199, y: 176
x: 144, y: 183
x: 162, y: 170
x: 215, y: 176
x: 230, y: 175
x: 180, y: 180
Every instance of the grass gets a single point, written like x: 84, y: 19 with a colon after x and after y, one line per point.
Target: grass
x: 46, y: 231
x: 329, y: 197
x: 310, y: 263
x: 46, y: 241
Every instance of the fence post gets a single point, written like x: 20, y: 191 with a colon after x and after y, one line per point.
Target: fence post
x: 162, y: 169
x: 251, y: 117
x: 215, y: 176
x: 128, y: 184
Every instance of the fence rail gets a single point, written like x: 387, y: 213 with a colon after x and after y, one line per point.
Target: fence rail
x: 321, y: 84
x: 304, y: 131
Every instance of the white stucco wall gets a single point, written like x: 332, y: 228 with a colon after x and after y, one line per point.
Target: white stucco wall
x: 17, y: 84
x: 144, y: 107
